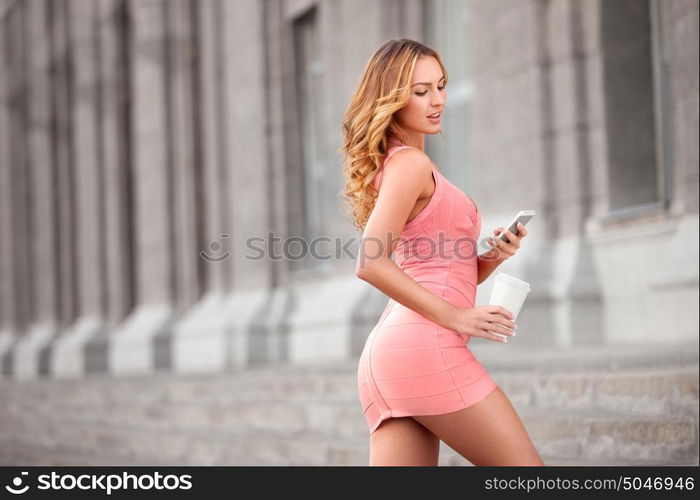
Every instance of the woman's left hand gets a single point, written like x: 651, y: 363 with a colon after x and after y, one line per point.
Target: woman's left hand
x: 506, y: 250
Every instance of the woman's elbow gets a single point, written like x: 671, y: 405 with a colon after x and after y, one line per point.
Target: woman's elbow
x: 365, y: 270
x: 361, y: 272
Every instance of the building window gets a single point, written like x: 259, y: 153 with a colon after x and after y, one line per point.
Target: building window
x: 636, y: 106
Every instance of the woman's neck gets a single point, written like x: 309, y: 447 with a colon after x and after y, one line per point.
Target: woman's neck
x: 393, y: 141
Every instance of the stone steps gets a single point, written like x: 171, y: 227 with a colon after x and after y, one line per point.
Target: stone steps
x: 297, y: 415
x: 653, y: 440
x: 652, y: 392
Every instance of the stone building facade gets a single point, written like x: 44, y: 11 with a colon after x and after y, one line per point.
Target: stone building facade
x: 162, y: 163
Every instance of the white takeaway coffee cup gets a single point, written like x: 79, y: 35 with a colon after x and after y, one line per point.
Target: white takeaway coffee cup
x: 510, y: 293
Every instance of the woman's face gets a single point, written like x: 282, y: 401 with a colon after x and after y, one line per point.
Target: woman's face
x: 428, y: 96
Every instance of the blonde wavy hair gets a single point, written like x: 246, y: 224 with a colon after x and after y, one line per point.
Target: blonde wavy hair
x: 384, y: 88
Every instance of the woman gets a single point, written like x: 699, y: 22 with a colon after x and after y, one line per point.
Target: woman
x: 418, y: 381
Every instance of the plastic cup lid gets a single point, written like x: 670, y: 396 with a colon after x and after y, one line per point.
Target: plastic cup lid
x: 513, y: 281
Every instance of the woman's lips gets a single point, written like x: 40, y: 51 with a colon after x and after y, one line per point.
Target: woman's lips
x: 435, y: 120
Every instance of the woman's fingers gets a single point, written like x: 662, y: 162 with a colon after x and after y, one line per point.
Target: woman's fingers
x: 489, y: 334
x: 492, y: 312
x: 501, y: 328
x: 506, y: 249
x: 514, y: 241
x: 494, y: 327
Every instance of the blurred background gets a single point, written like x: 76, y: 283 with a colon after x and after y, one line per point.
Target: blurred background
x: 164, y: 165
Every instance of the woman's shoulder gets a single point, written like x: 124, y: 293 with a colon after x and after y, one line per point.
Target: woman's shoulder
x: 405, y: 151
x: 404, y: 158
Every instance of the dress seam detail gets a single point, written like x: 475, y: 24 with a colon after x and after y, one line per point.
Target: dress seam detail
x: 427, y: 374
x: 445, y: 392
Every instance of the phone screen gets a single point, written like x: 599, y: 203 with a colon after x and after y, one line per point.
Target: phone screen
x: 513, y: 228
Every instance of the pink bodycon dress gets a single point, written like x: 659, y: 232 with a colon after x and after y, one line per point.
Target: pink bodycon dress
x: 411, y: 365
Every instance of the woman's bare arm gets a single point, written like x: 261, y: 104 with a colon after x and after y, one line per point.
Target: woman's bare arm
x: 394, y: 282
x: 405, y: 176
x: 486, y: 265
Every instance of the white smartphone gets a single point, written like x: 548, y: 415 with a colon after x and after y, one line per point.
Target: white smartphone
x: 523, y: 217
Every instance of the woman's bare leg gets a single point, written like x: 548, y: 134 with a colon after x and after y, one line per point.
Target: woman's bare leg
x: 403, y: 441
x: 489, y: 432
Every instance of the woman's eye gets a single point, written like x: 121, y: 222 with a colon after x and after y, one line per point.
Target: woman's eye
x: 425, y: 92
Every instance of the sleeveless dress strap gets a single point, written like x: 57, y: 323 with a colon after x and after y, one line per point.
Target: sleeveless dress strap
x: 389, y: 154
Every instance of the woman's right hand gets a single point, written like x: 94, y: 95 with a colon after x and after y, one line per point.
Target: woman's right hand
x: 481, y: 321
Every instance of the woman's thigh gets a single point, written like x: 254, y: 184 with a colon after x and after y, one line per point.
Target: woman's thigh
x: 403, y: 441
x: 489, y: 432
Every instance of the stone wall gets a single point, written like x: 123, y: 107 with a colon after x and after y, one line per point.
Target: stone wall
x: 143, y: 143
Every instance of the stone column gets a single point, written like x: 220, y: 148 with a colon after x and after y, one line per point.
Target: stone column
x: 68, y: 358
x: 115, y: 139
x: 200, y: 341
x: 34, y: 348
x: 62, y: 132
x: 25, y: 363
x: 132, y: 343
x: 579, y: 310
x: 214, y: 61
x: 8, y: 321
x: 255, y: 146
x: 182, y: 155
x: 256, y: 183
